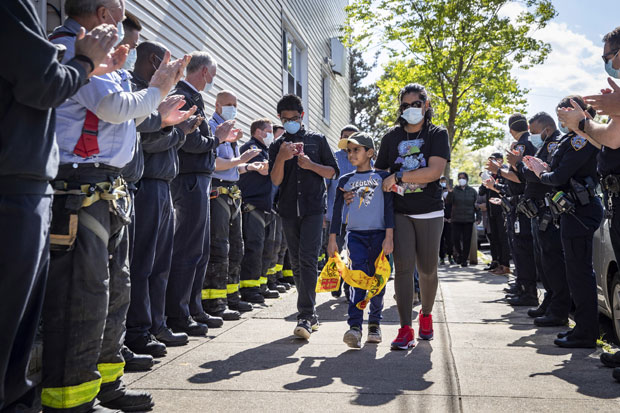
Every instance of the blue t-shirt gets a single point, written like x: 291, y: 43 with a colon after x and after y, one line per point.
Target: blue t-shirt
x: 371, y: 208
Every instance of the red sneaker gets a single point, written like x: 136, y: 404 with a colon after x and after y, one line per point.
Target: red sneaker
x: 405, y: 339
x: 426, y: 326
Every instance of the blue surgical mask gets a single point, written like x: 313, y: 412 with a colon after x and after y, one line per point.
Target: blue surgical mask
x: 229, y: 112
x: 563, y: 129
x: 292, y: 127
x: 413, y: 116
x: 609, y: 68
x: 132, y: 56
x: 536, y: 140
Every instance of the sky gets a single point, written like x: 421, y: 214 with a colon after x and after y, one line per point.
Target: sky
x: 574, y: 66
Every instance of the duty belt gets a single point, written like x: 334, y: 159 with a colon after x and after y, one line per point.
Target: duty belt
x: 107, y: 191
x: 233, y: 192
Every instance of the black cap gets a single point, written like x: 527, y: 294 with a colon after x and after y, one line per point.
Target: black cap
x: 358, y: 138
x: 497, y: 155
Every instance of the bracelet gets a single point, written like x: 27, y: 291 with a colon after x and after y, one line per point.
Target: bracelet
x: 85, y: 59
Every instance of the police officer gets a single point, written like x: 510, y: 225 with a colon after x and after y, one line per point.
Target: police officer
x: 259, y: 227
x: 553, y: 311
x: 31, y: 86
x: 518, y: 224
x: 220, y: 294
x: 190, y: 195
x: 572, y: 174
x: 86, y: 304
x: 155, y: 164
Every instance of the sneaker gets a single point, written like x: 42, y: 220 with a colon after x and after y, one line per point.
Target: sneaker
x: 314, y: 324
x: 451, y: 261
x: 442, y: 261
x: 426, y: 327
x: 374, y: 334
x: 353, y: 337
x: 405, y: 339
x: 303, y: 329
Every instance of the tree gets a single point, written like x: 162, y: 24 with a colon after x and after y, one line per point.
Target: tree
x: 365, y: 109
x: 463, y: 51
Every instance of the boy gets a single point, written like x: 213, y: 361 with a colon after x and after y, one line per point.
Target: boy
x: 370, y: 228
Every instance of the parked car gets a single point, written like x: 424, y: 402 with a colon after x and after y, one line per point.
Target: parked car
x: 607, y: 276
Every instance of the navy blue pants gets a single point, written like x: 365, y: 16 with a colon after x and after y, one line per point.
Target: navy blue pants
x: 190, y: 254
x: 154, y: 232
x: 24, y: 259
x: 364, y: 247
x: 523, y: 245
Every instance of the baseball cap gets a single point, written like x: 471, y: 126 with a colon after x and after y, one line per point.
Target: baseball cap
x: 497, y: 155
x: 358, y: 138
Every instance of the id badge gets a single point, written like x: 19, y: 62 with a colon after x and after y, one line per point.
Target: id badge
x: 517, y: 227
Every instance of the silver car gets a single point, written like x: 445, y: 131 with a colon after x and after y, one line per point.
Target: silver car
x: 607, y: 276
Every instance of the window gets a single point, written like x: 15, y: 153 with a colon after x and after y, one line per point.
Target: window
x: 325, y: 94
x: 293, y: 63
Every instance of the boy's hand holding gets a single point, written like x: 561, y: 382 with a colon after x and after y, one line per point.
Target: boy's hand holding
x: 388, y: 242
x: 332, y: 246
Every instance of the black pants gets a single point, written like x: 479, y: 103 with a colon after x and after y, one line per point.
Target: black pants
x: 303, y: 237
x: 85, y: 305
x: 446, y: 246
x: 282, y: 256
x: 272, y: 272
x: 523, y: 245
x: 461, y: 237
x: 256, y: 239
x: 190, y: 252
x: 499, y: 240
x: 154, y: 231
x: 221, y: 283
x: 24, y: 258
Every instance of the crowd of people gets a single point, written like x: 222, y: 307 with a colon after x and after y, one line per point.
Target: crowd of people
x: 133, y: 216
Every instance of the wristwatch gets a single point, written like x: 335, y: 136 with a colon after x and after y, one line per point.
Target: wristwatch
x: 399, y: 177
x: 582, y: 124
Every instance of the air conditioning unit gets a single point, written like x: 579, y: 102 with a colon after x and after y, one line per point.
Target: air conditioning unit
x: 339, y: 56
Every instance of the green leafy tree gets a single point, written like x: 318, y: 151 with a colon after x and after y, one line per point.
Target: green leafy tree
x: 463, y: 51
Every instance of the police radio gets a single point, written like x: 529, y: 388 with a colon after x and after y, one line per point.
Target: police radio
x: 563, y: 203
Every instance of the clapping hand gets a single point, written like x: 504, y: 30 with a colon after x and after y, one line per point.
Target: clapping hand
x: 608, y: 102
x: 536, y: 165
x: 171, y: 113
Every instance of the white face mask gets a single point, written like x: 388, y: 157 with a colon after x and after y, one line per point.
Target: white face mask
x: 120, y: 30
x: 462, y: 182
x: 268, y: 140
x: 131, y: 59
x: 413, y: 116
x: 229, y: 112
x: 208, y: 87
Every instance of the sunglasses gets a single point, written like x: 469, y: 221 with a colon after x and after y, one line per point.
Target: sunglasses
x: 417, y: 104
x: 606, y: 57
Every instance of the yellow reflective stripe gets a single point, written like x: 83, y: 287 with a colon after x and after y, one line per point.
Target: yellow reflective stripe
x: 232, y: 288
x: 287, y: 273
x: 278, y: 267
x: 263, y: 280
x: 249, y: 283
x: 213, y: 294
x: 271, y: 271
x: 110, y: 371
x: 70, y: 396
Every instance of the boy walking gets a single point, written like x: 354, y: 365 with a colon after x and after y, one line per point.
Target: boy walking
x: 370, y: 228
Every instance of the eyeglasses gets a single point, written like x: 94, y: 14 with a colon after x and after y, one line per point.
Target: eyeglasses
x: 613, y: 55
x: 417, y: 104
x: 293, y: 119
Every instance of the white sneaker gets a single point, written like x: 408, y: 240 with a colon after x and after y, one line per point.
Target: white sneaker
x: 353, y: 337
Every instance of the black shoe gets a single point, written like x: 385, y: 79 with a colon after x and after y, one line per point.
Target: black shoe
x: 287, y: 286
x: 171, y: 339
x: 270, y: 293
x: 464, y: 263
x: 572, y: 342
x: 565, y: 333
x: 303, y: 329
x: 100, y: 409
x: 241, y: 306
x: 523, y: 300
x: 275, y: 287
x: 227, y: 315
x: 513, y: 289
x: 442, y: 261
x: 493, y: 265
x: 611, y: 360
x: 131, y: 401
x: 537, y: 312
x: 136, y: 362
x: 208, y: 320
x: 451, y: 260
x: 550, y: 321
x: 256, y: 298
x: 187, y: 326
x: 147, y: 344
x: 616, y: 374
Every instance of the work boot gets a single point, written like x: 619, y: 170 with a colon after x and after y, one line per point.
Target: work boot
x: 512, y: 289
x: 254, y: 298
x: 241, y: 306
x: 267, y: 293
x: 565, y: 333
x: 541, y: 310
x: 100, y: 409
x: 611, y: 359
x: 136, y: 362
x: 528, y: 297
x: 147, y: 344
x: 275, y: 287
x: 171, y: 339
x: 130, y: 401
x: 286, y: 286
x: 550, y: 321
x: 227, y: 314
x: 187, y: 326
x: 208, y: 320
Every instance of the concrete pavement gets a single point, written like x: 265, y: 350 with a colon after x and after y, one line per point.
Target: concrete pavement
x: 486, y: 357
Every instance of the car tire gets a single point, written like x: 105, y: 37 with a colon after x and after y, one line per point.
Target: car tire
x: 614, y: 298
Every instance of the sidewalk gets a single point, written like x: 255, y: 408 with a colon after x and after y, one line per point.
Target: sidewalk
x: 485, y: 358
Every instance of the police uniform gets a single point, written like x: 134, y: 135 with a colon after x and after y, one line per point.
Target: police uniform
x: 520, y: 227
x: 547, y: 240
x: 220, y: 290
x: 573, y: 171
x: 152, y: 225
x: 190, y: 195
x: 31, y: 85
x: 86, y: 301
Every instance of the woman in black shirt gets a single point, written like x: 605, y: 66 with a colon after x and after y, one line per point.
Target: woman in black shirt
x: 416, y: 153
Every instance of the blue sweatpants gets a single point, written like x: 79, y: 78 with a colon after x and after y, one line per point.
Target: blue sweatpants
x: 364, y: 247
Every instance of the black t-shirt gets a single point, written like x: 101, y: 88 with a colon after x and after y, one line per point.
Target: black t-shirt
x: 609, y: 161
x: 410, y: 151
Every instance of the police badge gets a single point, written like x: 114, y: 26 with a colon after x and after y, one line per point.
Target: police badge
x: 551, y: 147
x: 578, y: 142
